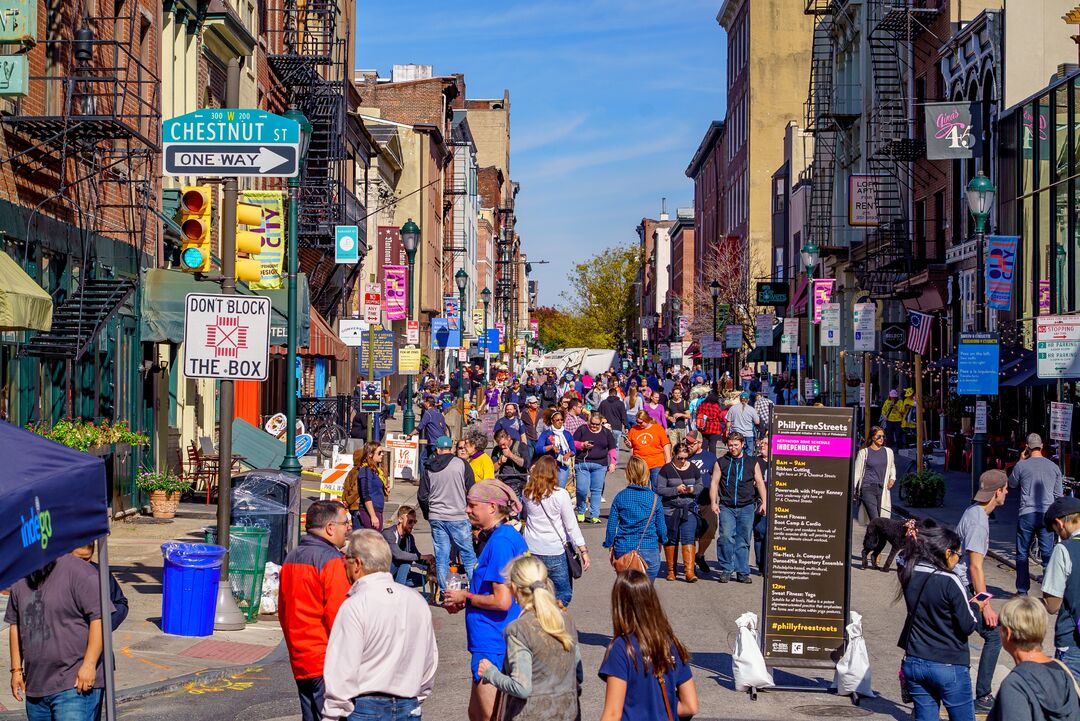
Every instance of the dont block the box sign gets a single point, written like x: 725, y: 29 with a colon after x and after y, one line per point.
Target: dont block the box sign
x: 226, y: 336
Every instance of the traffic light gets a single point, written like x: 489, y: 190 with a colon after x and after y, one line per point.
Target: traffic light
x: 248, y: 243
x: 195, y: 213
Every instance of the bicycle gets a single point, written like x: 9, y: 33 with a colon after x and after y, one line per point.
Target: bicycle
x: 328, y: 434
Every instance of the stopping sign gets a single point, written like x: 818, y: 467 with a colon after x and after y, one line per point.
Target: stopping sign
x: 226, y: 336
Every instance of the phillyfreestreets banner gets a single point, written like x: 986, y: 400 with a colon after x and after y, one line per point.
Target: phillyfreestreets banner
x: 1000, y: 262
x: 396, y: 291
x: 822, y: 293
x: 805, y: 606
x: 273, y: 237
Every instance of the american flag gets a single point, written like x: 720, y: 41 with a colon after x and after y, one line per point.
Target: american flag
x: 918, y: 336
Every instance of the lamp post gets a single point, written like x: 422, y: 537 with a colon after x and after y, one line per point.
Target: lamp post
x: 461, y: 278
x: 810, y: 255
x: 485, y: 295
x: 291, y: 464
x: 410, y: 238
x: 714, y: 290
x: 980, y: 199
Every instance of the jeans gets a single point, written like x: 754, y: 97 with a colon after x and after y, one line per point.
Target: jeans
x: 403, y: 573
x: 564, y: 476
x: 933, y: 684
x: 311, y: 691
x: 654, y: 473
x: 69, y: 705
x: 650, y: 553
x: 559, y: 573
x: 619, y: 435
x: 1027, y: 526
x: 681, y: 525
x: 709, y: 441
x: 733, y: 541
x: 590, y: 485
x: 894, y: 435
x: 870, y: 497
x: 384, y: 708
x: 984, y: 678
x: 1070, y: 657
x: 761, y: 527
x: 459, y: 533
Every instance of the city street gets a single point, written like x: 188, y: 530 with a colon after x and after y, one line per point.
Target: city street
x: 703, y: 615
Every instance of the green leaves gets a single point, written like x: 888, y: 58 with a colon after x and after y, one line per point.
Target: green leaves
x: 599, y: 305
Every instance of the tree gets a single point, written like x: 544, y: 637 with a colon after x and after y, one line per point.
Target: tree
x: 598, y: 307
x: 727, y: 265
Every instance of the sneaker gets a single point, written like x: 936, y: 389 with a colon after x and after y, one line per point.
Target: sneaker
x: 984, y: 704
x: 603, y: 500
x: 723, y: 578
x: 593, y: 520
x: 743, y: 578
x: 580, y: 517
x: 702, y: 564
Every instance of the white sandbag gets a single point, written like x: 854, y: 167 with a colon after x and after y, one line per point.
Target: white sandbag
x: 748, y: 665
x: 271, y: 582
x: 853, y: 668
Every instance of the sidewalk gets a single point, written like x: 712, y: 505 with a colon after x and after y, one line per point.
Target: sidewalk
x: 147, y: 660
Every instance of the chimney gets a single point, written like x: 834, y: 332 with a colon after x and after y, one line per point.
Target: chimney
x: 663, y: 210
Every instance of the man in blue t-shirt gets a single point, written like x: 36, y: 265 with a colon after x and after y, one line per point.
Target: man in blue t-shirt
x: 704, y: 461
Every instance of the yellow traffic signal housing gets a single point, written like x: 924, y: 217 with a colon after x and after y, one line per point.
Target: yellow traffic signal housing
x: 248, y: 243
x: 195, y: 213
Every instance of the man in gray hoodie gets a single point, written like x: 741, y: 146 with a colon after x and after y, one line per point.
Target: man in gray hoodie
x: 443, y: 489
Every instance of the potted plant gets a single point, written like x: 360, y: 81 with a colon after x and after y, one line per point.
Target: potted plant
x: 924, y: 489
x: 164, y: 488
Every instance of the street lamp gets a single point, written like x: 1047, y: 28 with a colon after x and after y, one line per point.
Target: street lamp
x: 291, y: 464
x: 485, y: 295
x: 714, y: 289
x: 410, y: 238
x: 461, y: 278
x: 810, y: 255
x: 980, y: 198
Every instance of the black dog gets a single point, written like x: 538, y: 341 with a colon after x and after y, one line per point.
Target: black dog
x: 879, y: 532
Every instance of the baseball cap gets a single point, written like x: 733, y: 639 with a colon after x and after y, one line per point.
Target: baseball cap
x: 1034, y: 440
x: 693, y: 436
x: 1064, y: 506
x: 532, y: 399
x: 989, y: 484
x: 444, y: 442
x: 745, y: 395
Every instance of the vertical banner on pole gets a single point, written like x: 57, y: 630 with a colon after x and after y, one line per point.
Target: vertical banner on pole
x: 396, y: 286
x: 822, y: 294
x: 1000, y: 262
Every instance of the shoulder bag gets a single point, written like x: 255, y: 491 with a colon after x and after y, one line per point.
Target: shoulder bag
x: 633, y: 559
x: 663, y: 692
x: 570, y: 549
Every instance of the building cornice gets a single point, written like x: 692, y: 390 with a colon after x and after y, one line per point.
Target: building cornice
x: 727, y: 13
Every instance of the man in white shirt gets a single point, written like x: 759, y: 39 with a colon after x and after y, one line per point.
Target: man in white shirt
x: 381, y: 658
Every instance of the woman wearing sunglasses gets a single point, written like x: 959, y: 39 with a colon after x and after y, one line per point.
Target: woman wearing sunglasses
x: 875, y: 474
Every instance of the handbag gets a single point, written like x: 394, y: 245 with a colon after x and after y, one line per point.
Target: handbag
x: 571, y: 479
x: 633, y: 559
x: 570, y: 550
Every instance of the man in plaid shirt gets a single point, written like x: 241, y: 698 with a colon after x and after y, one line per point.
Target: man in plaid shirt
x: 574, y: 419
x: 764, y: 408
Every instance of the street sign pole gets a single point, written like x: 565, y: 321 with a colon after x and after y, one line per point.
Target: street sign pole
x: 228, y: 616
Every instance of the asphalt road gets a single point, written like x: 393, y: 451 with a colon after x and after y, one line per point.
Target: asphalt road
x: 703, y: 615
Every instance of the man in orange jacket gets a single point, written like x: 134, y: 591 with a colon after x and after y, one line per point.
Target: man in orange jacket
x: 313, y: 587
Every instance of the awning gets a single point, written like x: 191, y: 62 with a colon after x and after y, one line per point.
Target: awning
x: 798, y: 306
x: 162, y: 308
x: 322, y: 341
x: 24, y: 305
x: 1023, y: 374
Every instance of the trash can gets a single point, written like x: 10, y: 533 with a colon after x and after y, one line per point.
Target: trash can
x: 270, y: 499
x: 247, y: 565
x: 190, y: 587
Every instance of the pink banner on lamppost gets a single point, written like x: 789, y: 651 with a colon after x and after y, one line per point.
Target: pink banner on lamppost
x: 823, y: 288
x: 395, y: 289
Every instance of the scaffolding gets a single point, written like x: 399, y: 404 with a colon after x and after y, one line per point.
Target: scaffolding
x: 92, y: 138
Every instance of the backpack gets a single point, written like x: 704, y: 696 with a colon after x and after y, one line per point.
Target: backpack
x: 550, y: 392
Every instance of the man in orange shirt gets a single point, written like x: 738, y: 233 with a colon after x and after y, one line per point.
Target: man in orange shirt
x: 650, y: 442
x: 313, y: 587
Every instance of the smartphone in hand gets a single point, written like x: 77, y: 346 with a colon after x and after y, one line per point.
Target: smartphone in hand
x: 982, y: 597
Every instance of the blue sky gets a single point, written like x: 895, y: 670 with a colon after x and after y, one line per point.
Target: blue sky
x: 609, y: 99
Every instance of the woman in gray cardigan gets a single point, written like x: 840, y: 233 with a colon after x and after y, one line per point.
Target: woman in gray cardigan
x: 679, y: 485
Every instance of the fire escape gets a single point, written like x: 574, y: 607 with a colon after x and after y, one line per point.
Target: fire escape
x: 885, y: 258
x: 308, y: 56
x: 822, y: 124
x: 90, y: 138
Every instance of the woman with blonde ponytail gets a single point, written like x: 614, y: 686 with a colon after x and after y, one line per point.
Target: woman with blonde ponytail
x: 543, y: 662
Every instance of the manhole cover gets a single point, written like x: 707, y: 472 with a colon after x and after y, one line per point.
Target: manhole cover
x: 833, y: 711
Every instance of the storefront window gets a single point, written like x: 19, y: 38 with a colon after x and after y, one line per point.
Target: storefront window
x: 1061, y: 133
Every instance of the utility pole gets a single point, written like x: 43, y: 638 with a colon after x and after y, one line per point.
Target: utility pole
x: 228, y: 616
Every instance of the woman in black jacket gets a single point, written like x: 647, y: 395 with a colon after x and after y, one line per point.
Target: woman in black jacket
x: 936, y: 666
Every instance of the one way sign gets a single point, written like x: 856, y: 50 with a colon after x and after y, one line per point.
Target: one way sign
x: 269, y: 161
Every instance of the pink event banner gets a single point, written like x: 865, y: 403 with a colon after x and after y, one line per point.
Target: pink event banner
x: 395, y: 291
x: 823, y: 288
x: 819, y: 446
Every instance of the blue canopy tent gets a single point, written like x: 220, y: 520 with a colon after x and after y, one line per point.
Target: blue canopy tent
x: 59, y: 496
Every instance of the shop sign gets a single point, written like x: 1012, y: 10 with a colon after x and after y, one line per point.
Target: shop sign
x: 351, y: 331
x: 951, y: 132
x: 1061, y: 421
x: 863, y: 201
x: 346, y: 244
x: 773, y: 293
x: 808, y: 578
x: 830, y: 325
x: 14, y: 76
x: 1057, y: 346
x: 18, y: 22
x: 977, y: 364
x: 893, y: 336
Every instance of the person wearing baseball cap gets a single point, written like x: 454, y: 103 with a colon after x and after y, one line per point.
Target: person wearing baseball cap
x: 974, y: 532
x: 1061, y: 582
x: 703, y: 460
x: 442, y: 498
x: 1039, y: 480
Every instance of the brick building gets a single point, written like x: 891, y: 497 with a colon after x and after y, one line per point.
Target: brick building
x: 707, y: 169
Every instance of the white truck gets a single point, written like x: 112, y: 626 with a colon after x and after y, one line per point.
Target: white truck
x: 578, y: 360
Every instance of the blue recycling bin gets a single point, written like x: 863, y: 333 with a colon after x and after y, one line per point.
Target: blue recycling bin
x: 190, y: 587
